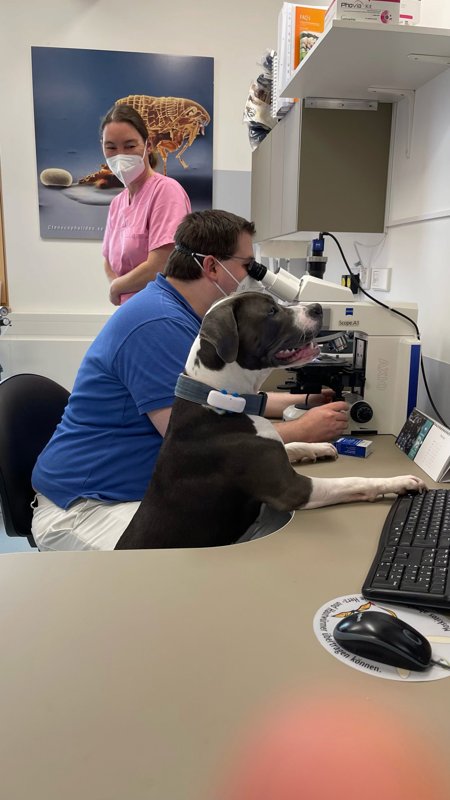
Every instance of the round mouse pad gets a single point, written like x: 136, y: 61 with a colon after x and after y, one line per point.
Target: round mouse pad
x: 433, y: 626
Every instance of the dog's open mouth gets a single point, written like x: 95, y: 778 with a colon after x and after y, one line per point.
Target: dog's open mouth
x: 290, y: 356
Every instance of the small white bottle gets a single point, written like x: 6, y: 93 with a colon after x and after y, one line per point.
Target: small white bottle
x: 410, y: 12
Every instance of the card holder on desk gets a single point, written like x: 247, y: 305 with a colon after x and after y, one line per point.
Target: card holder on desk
x: 427, y: 443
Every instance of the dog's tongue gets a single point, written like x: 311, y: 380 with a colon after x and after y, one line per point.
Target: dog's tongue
x: 309, y: 350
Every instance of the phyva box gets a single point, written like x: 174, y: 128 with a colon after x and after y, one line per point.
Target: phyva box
x: 386, y: 12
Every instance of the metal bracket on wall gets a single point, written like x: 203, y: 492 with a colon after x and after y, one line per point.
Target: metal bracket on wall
x: 394, y: 95
x: 341, y: 103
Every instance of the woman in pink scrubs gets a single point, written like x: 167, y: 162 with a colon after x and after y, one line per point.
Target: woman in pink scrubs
x: 142, y: 219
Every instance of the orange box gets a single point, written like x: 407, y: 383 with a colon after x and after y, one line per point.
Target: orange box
x: 309, y: 24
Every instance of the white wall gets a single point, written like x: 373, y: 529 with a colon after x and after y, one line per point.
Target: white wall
x: 66, y: 277
x: 417, y: 246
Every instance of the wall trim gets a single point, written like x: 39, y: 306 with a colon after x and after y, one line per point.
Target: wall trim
x: 421, y: 218
x: 54, y: 326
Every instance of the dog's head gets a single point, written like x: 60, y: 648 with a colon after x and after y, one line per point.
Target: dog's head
x: 253, y: 331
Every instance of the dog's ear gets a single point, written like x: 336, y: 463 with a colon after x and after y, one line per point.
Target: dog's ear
x: 219, y: 328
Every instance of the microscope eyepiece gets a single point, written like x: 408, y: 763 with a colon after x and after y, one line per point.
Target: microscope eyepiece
x: 256, y: 270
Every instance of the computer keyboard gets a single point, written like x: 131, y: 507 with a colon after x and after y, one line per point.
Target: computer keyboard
x: 412, y: 561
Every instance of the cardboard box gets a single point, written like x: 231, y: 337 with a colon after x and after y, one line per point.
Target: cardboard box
x: 309, y: 24
x: 386, y: 12
x: 349, y: 446
x: 409, y: 12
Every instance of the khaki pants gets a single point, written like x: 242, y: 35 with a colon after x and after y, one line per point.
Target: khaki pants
x: 87, y: 525
x: 98, y: 525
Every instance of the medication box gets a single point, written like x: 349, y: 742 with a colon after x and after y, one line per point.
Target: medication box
x: 386, y: 12
x: 409, y: 12
x: 348, y: 446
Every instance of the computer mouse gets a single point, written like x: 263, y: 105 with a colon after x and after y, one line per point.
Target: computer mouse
x: 382, y: 637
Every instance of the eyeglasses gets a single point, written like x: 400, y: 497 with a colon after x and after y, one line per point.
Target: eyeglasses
x: 251, y: 264
x: 248, y: 265
x: 254, y: 268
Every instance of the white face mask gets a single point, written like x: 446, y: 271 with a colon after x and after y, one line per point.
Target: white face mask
x: 249, y: 284
x: 238, y: 283
x: 127, y: 168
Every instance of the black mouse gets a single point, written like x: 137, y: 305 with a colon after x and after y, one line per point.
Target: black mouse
x: 381, y: 637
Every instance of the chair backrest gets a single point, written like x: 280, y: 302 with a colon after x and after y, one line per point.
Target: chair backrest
x: 31, y: 407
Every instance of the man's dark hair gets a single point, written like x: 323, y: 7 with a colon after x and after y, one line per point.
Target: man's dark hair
x: 212, y: 233
x: 121, y: 112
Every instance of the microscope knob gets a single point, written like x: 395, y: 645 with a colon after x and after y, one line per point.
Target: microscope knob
x: 361, y: 411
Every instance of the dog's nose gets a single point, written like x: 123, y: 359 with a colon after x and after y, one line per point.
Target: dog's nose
x: 315, y: 310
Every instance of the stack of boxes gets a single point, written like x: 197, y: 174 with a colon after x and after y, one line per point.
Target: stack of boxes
x: 385, y: 11
x: 409, y: 12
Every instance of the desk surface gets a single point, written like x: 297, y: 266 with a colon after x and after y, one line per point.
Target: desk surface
x: 130, y: 674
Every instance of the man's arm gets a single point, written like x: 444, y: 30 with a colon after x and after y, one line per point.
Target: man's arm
x: 321, y: 424
x: 277, y: 402
x: 160, y: 419
x: 137, y: 278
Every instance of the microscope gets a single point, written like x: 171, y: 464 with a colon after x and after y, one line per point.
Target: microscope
x: 370, y: 356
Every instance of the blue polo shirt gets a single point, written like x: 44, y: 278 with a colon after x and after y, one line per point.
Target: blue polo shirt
x: 105, y: 446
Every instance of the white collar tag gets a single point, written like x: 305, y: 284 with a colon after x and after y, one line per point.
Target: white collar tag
x: 227, y: 402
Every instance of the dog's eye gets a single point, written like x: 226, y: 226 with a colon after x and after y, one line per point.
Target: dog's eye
x: 272, y: 310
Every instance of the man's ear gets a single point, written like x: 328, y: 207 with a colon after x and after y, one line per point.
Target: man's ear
x: 219, y: 328
x: 209, y: 266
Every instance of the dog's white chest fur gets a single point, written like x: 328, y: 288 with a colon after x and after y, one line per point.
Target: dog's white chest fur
x: 264, y: 428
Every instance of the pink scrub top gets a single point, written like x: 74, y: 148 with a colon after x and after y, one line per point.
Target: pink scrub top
x: 149, y: 221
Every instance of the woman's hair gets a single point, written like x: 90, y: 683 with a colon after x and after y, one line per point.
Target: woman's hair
x: 213, y: 233
x: 121, y: 112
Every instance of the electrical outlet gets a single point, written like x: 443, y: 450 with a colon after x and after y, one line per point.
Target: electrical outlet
x: 381, y: 279
x: 365, y: 277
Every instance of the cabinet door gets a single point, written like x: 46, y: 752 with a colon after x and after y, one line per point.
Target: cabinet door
x: 322, y: 169
x: 291, y: 165
x: 276, y: 180
x: 275, y: 166
x: 344, y: 158
x: 260, y: 212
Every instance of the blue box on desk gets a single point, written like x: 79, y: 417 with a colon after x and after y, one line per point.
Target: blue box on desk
x: 349, y: 446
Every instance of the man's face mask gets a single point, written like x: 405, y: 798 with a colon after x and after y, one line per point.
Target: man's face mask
x: 127, y: 168
x: 247, y: 284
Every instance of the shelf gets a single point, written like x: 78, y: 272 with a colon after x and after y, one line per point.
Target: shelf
x: 352, y: 56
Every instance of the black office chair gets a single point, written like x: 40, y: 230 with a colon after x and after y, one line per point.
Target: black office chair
x: 31, y: 407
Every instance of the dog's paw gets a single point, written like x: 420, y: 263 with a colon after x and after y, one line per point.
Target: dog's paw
x: 305, y: 451
x: 405, y: 483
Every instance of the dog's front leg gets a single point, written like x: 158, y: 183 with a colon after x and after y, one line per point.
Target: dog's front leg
x: 309, y: 451
x: 330, y: 491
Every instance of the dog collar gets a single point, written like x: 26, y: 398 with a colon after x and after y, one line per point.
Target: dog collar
x: 221, y: 401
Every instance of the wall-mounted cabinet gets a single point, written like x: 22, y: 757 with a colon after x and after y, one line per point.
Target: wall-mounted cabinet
x: 352, y: 58
x: 327, y: 169
x: 322, y: 169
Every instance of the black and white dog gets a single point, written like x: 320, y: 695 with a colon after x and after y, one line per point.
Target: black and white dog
x: 221, y: 459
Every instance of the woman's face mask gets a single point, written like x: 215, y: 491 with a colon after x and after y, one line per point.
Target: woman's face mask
x: 127, y: 168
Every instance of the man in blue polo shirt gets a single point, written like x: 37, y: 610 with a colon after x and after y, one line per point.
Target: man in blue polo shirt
x: 93, y: 473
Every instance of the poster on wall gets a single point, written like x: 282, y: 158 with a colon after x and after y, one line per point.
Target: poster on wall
x: 72, y: 91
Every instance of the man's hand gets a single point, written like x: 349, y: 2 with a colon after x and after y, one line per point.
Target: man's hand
x: 326, y: 396
x: 325, y: 423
